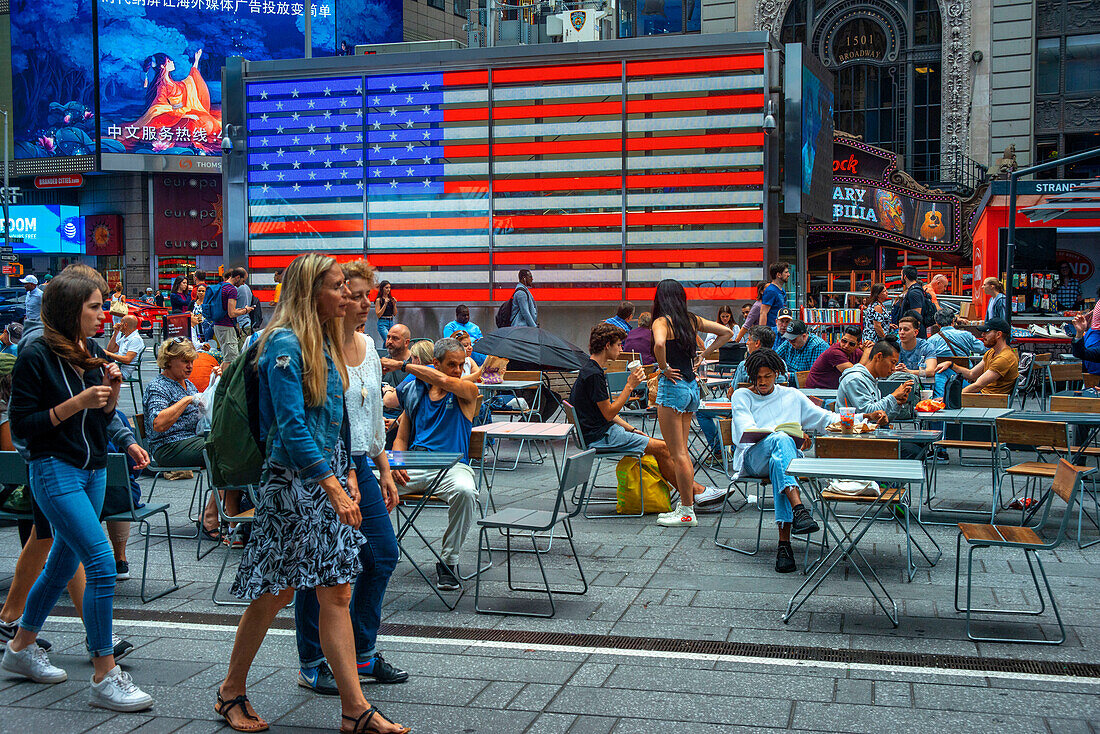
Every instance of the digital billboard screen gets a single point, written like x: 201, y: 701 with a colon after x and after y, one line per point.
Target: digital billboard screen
x: 808, y: 135
x: 45, y: 229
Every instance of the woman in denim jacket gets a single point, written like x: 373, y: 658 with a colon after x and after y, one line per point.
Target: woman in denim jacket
x: 305, y: 534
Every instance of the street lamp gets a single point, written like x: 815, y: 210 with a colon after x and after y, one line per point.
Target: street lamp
x: 7, y: 189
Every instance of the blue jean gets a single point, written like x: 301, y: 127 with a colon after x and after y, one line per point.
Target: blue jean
x: 384, y: 328
x: 682, y: 395
x: 709, y: 425
x: 770, y: 458
x: 71, y: 499
x: 379, y: 557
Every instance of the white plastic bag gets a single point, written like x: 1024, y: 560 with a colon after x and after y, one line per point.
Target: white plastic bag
x: 205, y: 403
x: 853, y: 488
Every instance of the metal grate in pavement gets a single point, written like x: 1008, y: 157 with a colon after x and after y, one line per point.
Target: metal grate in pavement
x: 793, y: 653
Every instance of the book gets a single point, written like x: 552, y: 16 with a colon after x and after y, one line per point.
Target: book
x: 755, y: 435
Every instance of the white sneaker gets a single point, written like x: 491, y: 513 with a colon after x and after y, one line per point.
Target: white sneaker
x: 117, y: 692
x: 710, y: 494
x: 32, y: 662
x: 681, y: 516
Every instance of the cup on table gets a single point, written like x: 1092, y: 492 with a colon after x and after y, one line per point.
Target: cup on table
x: 847, y: 419
x: 925, y: 394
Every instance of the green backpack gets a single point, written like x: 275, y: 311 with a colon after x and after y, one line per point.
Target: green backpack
x: 234, y: 445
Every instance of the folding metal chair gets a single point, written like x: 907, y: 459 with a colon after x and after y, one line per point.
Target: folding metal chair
x: 576, y: 476
x: 193, y: 515
x: 1067, y: 481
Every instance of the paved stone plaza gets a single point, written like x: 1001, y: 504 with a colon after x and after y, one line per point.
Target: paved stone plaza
x: 647, y: 582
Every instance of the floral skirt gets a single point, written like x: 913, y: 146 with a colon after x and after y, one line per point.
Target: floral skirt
x: 297, y: 540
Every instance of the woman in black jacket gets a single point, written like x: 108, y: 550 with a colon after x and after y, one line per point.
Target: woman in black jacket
x: 64, y: 393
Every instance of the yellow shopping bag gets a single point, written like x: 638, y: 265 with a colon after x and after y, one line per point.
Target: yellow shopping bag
x: 655, y: 490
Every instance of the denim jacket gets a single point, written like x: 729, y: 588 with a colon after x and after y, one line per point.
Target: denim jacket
x: 304, y: 437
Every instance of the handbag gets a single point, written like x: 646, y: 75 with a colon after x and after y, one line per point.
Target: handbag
x: 118, y: 308
x: 656, y: 492
x: 952, y: 391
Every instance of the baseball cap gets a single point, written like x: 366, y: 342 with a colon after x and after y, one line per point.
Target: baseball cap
x: 784, y: 313
x: 996, y: 325
x: 29, y: 279
x: 795, y: 329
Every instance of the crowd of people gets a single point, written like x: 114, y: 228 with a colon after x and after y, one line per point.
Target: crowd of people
x: 330, y: 407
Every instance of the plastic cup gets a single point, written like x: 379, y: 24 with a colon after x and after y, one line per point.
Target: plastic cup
x: 925, y: 394
x: 634, y: 364
x: 847, y: 419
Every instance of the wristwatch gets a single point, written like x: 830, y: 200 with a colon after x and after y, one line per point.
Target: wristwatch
x: 405, y: 365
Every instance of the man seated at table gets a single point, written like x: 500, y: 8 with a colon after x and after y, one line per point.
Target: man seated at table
x: 950, y: 342
x: 126, y: 345
x: 763, y: 407
x: 826, y: 371
x: 997, y: 372
x: 918, y: 357
x: 859, y: 389
x: 438, y: 409
x: 799, y: 348
x: 598, y: 417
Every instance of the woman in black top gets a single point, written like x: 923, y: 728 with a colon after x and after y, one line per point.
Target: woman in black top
x: 181, y: 295
x: 385, y: 308
x: 64, y: 393
x: 675, y: 338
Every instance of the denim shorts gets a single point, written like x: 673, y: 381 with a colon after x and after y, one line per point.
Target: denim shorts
x: 681, y: 396
x: 619, y: 439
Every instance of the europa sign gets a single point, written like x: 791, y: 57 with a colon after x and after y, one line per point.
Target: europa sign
x: 894, y: 212
x: 187, y: 215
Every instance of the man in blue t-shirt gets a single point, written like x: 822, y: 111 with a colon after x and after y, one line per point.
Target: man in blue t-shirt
x: 775, y: 295
x: 916, y: 354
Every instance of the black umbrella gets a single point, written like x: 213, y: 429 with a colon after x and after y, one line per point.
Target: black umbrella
x: 537, y: 348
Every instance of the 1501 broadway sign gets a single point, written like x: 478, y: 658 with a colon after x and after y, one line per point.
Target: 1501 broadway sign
x: 895, y: 214
x: 187, y: 215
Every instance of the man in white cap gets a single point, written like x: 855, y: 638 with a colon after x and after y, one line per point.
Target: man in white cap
x: 33, y: 305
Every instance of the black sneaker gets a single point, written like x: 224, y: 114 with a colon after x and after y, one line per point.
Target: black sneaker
x: 942, y: 457
x: 446, y: 577
x: 784, y: 559
x: 122, y: 570
x: 376, y: 670
x: 803, y: 522
x: 122, y: 647
x: 8, y: 630
x: 318, y: 679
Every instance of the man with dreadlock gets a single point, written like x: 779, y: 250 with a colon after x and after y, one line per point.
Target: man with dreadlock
x: 761, y: 408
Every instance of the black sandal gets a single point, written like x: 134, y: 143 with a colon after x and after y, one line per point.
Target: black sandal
x: 214, y: 535
x: 363, y: 721
x: 223, y: 707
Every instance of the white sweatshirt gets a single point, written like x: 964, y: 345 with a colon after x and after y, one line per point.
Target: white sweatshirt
x: 783, y: 405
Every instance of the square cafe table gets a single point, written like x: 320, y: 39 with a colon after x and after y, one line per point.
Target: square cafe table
x: 440, y: 462
x: 902, y: 472
x: 967, y: 416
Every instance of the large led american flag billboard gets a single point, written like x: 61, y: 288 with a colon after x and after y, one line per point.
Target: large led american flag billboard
x: 602, y: 177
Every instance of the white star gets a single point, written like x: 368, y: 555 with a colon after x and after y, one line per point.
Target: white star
x: 426, y: 86
x: 427, y: 159
x: 328, y: 138
x: 427, y: 182
x: 393, y: 136
x: 312, y: 151
x: 377, y: 125
x: 327, y: 186
x: 297, y: 187
x: 328, y: 164
x: 376, y: 101
x: 312, y: 175
x: 264, y: 117
x: 297, y: 164
x: 359, y: 89
x: 343, y: 102
x: 295, y: 140
x: 427, y: 134
x: 358, y: 113
x: 279, y: 152
x: 358, y: 184
x: 279, y: 105
x: 328, y: 113
x: 393, y: 184
x: 393, y: 87
x: 408, y: 99
x: 409, y: 171
x: 263, y: 141
x: 344, y: 173
x: 279, y: 129
x: 409, y: 147
x: 427, y: 109
x: 393, y: 112
x: 311, y: 104
x: 343, y: 149
x: 280, y: 175
x: 293, y: 92
x: 393, y: 161
x: 313, y: 128
x: 408, y: 123
x: 359, y: 162
x: 264, y: 165
x: 359, y: 138
x: 377, y: 172
x: 264, y: 188
x: 295, y: 116
x: 343, y: 126
x: 377, y: 148
x: 263, y: 94
x: 327, y: 91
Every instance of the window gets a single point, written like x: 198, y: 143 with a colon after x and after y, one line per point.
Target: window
x: 1046, y: 150
x: 1079, y: 143
x: 1046, y: 66
x: 441, y: 4
x: 1082, y: 63
x: 461, y: 6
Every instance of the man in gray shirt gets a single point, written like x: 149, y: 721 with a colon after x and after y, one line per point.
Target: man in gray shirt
x: 525, y: 312
x: 244, y: 298
x: 859, y: 389
x: 33, y: 304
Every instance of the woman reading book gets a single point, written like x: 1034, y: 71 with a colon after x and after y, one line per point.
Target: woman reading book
x: 769, y: 422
